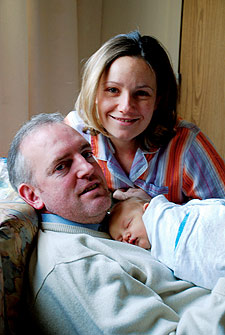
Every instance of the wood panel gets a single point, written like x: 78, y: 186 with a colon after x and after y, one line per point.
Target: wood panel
x: 202, y: 68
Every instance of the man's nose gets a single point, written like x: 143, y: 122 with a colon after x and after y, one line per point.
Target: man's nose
x: 83, y: 167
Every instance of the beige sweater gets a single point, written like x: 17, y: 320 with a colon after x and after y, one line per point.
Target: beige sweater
x: 81, y: 282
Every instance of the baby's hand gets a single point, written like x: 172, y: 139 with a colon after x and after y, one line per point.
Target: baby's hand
x: 131, y: 192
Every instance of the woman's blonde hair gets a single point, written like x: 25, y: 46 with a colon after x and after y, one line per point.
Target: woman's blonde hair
x: 161, y: 127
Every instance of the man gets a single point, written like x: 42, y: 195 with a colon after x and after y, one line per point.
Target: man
x: 81, y: 281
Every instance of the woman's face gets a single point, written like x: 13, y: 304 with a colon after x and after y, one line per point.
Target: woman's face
x: 126, y: 98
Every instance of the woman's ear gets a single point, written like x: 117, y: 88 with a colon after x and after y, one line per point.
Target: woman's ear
x: 31, y: 197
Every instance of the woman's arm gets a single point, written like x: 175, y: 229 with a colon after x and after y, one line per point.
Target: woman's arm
x: 121, y: 194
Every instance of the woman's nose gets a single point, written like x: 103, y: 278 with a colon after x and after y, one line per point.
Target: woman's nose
x: 125, y: 102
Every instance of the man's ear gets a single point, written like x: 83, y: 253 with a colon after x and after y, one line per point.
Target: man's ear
x: 31, y: 197
x: 145, y: 206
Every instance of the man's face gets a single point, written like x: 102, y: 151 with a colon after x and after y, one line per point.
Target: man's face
x: 69, y: 182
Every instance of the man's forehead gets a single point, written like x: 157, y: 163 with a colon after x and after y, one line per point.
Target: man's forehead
x: 56, y: 137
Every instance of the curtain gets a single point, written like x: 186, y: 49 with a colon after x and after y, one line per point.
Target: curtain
x: 42, y: 44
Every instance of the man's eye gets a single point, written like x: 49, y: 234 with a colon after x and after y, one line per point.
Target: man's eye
x: 64, y: 166
x: 88, y: 155
x: 60, y: 167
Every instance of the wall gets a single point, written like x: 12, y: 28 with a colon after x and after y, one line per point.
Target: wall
x: 44, y: 43
x: 202, y: 68
x: 38, y: 63
x: 13, y: 70
x: 159, y: 18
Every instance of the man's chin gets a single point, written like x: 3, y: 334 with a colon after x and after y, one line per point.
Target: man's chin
x: 97, y: 211
x: 92, y: 217
x: 96, y: 196
x: 102, y: 203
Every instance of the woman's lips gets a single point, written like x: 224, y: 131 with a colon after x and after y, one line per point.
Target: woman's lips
x: 124, y: 120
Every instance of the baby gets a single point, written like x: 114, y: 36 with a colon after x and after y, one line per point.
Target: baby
x: 126, y: 222
x: 189, y: 238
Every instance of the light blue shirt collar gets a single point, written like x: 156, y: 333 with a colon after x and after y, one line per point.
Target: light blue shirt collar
x: 47, y: 217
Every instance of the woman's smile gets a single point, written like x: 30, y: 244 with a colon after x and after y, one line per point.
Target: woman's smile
x: 124, y: 121
x: 126, y: 103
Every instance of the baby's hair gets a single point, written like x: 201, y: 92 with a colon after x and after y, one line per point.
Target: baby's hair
x: 134, y: 201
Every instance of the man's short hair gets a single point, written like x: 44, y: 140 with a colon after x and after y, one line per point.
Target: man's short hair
x: 19, y: 167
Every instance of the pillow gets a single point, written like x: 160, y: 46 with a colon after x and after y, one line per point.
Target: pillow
x: 6, y: 190
x: 18, y: 227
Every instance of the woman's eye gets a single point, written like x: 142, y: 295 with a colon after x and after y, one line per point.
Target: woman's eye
x: 112, y: 90
x: 142, y: 93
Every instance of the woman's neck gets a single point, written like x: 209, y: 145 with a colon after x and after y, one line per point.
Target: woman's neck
x: 125, y: 153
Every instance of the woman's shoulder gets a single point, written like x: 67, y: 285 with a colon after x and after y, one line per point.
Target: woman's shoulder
x: 186, y: 135
x: 73, y: 119
x: 189, y: 136
x: 183, y: 125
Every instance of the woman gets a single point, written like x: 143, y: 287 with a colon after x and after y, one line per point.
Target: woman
x: 127, y: 110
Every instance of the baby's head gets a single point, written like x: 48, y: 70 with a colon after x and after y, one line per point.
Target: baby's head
x: 126, y: 224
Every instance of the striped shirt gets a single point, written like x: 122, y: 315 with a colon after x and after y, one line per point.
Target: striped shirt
x: 187, y: 168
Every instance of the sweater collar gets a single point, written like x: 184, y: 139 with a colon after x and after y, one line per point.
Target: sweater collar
x: 47, y: 217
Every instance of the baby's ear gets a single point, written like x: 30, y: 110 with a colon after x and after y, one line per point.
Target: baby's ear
x: 145, y: 206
